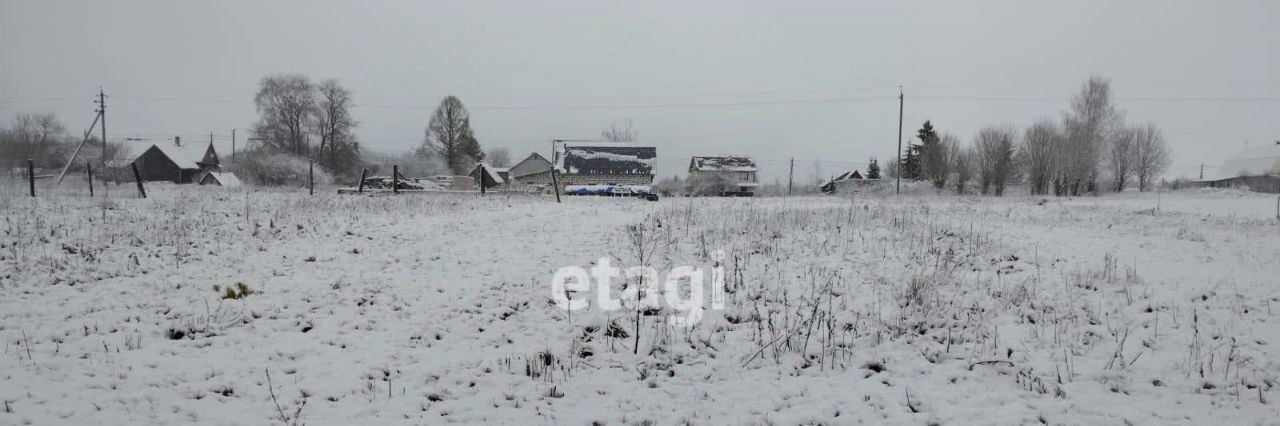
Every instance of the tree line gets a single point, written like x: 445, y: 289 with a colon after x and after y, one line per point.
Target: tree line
x: 1090, y: 149
x: 42, y: 137
x: 298, y: 121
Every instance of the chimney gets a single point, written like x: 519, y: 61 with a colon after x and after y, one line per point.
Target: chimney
x: 177, y: 140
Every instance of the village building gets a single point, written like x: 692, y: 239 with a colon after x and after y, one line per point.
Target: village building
x: 174, y: 162
x: 834, y: 185
x: 220, y: 179
x: 489, y: 176
x: 604, y: 164
x: 1256, y: 167
x: 534, y: 170
x: 722, y: 176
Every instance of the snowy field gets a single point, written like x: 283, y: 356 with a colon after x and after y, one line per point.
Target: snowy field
x: 202, y: 305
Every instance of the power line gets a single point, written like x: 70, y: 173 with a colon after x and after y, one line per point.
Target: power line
x: 708, y: 104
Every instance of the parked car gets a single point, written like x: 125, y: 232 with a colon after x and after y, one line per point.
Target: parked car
x: 638, y: 191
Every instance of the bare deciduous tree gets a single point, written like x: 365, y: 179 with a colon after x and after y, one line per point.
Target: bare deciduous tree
x: 621, y: 132
x: 36, y: 136
x: 889, y: 170
x: 417, y: 162
x: 449, y: 136
x: 1089, y: 125
x: 1120, y: 158
x: 934, y: 156
x: 286, y: 105
x: 994, y: 158
x: 1150, y: 155
x: 962, y: 159
x: 116, y: 153
x: 1038, y: 154
x: 335, y: 126
x: 498, y: 157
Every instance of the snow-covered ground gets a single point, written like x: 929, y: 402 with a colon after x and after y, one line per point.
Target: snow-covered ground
x: 421, y: 308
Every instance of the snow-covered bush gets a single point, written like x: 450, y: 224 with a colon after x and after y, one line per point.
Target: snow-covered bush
x: 278, y: 170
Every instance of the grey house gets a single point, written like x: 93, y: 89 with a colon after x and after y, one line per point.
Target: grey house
x: 722, y: 176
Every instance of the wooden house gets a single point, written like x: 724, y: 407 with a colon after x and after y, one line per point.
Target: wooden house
x: 174, y: 162
x: 834, y: 184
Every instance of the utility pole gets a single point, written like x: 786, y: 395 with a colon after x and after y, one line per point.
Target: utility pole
x: 791, y: 175
x: 102, y: 116
x: 233, y: 145
x: 1201, y: 171
x: 898, y: 188
x: 88, y: 132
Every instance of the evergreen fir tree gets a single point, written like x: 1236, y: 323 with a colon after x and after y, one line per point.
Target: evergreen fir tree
x: 911, y: 160
x: 873, y: 169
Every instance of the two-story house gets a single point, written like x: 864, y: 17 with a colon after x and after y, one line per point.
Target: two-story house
x: 722, y: 176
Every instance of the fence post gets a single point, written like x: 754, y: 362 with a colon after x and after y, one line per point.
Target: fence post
x: 360, y: 186
x: 89, y: 171
x: 395, y: 178
x: 31, y: 176
x: 555, y: 185
x: 138, y: 180
x: 311, y: 177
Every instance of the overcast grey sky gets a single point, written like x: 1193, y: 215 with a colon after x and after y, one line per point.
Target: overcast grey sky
x: 771, y: 79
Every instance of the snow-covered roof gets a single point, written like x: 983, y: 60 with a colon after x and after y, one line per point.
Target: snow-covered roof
x: 534, y: 163
x: 1251, y: 161
x: 852, y: 174
x: 727, y: 164
x: 179, y: 155
x: 186, y: 156
x: 607, y: 160
x: 493, y: 172
x: 226, y: 179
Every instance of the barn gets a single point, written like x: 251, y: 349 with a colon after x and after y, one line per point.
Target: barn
x: 174, y: 162
x: 604, y: 164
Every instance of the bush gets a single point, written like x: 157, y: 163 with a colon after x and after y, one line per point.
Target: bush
x: 265, y: 169
x: 236, y: 292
